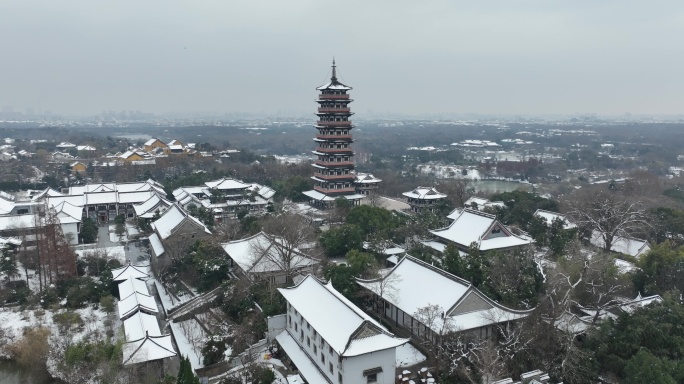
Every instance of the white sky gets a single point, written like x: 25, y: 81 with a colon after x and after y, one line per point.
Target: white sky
x: 401, y: 56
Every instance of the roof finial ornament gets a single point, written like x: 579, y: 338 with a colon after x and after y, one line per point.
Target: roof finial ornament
x: 334, y: 72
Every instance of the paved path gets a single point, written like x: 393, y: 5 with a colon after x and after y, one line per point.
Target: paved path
x: 133, y: 249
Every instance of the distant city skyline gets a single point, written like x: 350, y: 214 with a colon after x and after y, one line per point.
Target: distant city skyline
x: 402, y: 57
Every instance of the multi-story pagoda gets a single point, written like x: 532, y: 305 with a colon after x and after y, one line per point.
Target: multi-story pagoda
x: 334, y: 167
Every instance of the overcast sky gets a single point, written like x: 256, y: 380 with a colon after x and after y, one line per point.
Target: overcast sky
x: 401, y: 56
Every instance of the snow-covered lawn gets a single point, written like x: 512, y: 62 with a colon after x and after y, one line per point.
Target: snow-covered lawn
x: 407, y: 356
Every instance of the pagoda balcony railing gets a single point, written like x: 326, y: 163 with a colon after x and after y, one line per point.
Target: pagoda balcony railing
x: 334, y: 150
x: 334, y: 123
x: 332, y: 190
x: 334, y: 163
x: 334, y: 110
x: 334, y: 177
x: 324, y: 96
x: 327, y: 137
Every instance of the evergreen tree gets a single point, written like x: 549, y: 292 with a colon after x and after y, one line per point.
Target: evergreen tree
x: 453, y: 262
x: 185, y: 374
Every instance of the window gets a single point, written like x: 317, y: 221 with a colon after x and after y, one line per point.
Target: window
x: 339, y: 377
x: 295, y: 327
x: 330, y: 349
x: 308, y: 326
x: 372, y: 378
x: 308, y: 341
x: 322, y: 357
x: 330, y: 367
x: 315, y: 349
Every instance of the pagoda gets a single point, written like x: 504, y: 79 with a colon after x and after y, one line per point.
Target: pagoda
x: 334, y: 174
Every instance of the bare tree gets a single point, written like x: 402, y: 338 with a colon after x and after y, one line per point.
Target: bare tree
x: 457, y: 191
x: 433, y: 319
x: 286, y: 235
x: 609, y: 213
x: 195, y: 336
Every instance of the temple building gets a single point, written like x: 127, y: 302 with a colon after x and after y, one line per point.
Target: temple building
x: 334, y: 175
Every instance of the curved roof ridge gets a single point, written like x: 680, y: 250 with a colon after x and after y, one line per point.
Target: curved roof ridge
x: 436, y: 269
x: 489, y: 301
x: 479, y: 213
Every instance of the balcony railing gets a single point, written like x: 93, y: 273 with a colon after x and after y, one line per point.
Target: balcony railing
x: 327, y: 137
x: 334, y: 110
x: 334, y: 123
x: 333, y: 177
x: 324, y: 96
x: 342, y: 190
x: 334, y: 163
x: 334, y: 150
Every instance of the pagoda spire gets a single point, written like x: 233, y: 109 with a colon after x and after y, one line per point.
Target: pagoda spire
x: 334, y: 71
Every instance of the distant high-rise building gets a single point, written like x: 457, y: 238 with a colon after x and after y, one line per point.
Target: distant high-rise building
x: 334, y: 167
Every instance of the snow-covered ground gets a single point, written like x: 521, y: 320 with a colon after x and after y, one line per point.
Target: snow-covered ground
x: 117, y: 253
x: 407, y: 356
x: 13, y: 321
x: 114, y: 238
x: 132, y: 230
x: 168, y: 302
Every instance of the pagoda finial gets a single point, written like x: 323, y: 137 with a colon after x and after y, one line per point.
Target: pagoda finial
x: 334, y: 72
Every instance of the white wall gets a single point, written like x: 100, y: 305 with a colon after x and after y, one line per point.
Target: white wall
x: 71, y: 228
x: 353, y: 367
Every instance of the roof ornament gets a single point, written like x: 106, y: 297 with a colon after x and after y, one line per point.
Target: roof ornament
x: 334, y: 71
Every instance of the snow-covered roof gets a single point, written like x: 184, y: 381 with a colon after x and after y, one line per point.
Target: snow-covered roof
x: 366, y: 178
x: 226, y: 183
x: 148, y: 349
x: 100, y: 198
x: 263, y: 191
x: 46, y: 192
x: 549, y: 217
x: 579, y: 323
x: 338, y: 320
x: 471, y: 226
x: 480, y: 202
x: 19, y: 222
x: 129, y: 270
x: 152, y: 141
x: 135, y: 197
x: 335, y: 85
x: 131, y: 286
x: 135, y: 302
x: 172, y: 219
x: 323, y: 197
x: 68, y: 209
x: 627, y: 245
x: 156, y: 244
x: 6, y: 206
x: 139, y: 325
x: 306, y: 367
x: 415, y: 284
x: 147, y: 208
x: 260, y: 253
x: 425, y: 193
